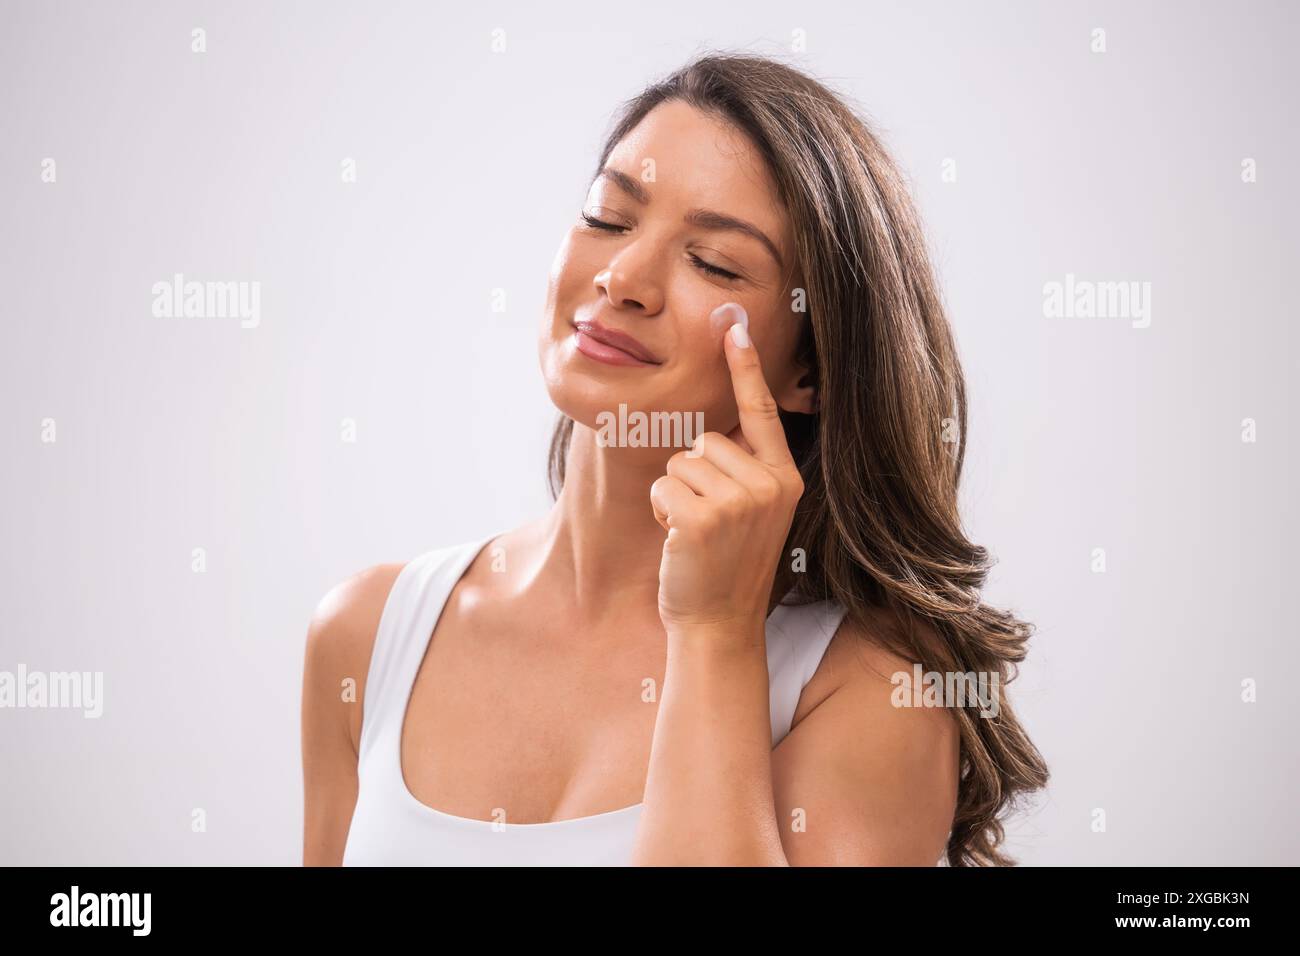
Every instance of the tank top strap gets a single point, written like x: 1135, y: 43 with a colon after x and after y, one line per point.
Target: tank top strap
x: 797, y: 638
x: 414, y: 603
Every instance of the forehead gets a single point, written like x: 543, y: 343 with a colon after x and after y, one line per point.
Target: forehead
x: 702, y: 161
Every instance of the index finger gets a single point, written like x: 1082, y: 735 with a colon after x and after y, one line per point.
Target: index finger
x: 760, y: 422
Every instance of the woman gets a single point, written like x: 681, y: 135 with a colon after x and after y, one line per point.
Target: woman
x: 692, y: 658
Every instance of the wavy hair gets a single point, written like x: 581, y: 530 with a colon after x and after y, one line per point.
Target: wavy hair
x: 882, y: 456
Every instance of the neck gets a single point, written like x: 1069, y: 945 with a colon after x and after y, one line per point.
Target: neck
x: 601, y: 539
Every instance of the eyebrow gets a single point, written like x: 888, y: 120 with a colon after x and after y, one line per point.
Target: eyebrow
x: 703, y: 218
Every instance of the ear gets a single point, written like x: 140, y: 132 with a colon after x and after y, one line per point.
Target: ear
x: 798, y: 393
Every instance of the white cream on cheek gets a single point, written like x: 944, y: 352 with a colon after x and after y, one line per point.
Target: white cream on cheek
x: 724, y: 317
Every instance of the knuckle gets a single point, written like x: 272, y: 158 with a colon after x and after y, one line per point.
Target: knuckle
x: 766, y: 490
x: 662, y: 485
x: 682, y: 465
x: 762, y: 405
x: 707, y: 521
x: 685, y: 525
x: 707, y: 440
x: 737, y: 502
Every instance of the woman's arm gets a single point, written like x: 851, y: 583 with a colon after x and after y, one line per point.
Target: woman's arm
x: 874, y: 779
x: 859, y: 781
x: 727, y: 506
x: 340, y: 638
x: 708, y: 794
x: 856, y: 782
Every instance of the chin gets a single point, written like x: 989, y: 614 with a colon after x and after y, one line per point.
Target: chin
x: 585, y: 400
x: 634, y: 420
x: 583, y: 389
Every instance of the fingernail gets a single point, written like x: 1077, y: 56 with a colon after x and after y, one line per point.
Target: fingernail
x: 727, y: 315
x: 740, y: 335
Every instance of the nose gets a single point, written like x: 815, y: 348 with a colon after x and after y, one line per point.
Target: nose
x: 630, y: 285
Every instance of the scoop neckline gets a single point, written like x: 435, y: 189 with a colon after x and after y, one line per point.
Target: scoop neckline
x: 474, y: 549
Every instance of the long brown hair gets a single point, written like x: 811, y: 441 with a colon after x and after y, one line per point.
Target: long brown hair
x: 882, y: 457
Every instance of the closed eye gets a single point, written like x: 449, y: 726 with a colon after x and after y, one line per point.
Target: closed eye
x: 597, y: 224
x: 703, y: 266
x: 713, y: 270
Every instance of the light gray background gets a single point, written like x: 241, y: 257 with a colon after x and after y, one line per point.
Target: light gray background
x: 176, y: 434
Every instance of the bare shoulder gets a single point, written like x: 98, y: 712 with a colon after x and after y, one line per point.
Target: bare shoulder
x: 340, y: 638
x: 860, y: 667
x: 341, y: 633
x: 887, y: 774
x: 356, y: 600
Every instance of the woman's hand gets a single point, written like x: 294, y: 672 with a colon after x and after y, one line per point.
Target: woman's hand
x: 727, y: 507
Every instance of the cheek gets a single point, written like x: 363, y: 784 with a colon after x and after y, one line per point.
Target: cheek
x: 578, y: 261
x: 774, y: 327
x: 725, y: 316
x: 569, y: 276
x: 556, y: 306
x: 699, y: 331
x: 565, y: 268
x: 701, y: 379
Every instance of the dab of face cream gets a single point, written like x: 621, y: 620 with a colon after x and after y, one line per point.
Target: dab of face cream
x: 725, y: 316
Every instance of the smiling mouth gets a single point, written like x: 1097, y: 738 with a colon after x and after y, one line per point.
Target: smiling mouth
x: 611, y: 346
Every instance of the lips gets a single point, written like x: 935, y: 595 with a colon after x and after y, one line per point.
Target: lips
x: 611, y: 345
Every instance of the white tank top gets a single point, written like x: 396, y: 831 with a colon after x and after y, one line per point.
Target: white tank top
x: 390, y: 827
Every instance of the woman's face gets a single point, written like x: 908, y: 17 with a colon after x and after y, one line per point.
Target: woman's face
x: 684, y: 217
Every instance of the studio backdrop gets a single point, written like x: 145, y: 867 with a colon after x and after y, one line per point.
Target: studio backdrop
x: 370, y: 196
